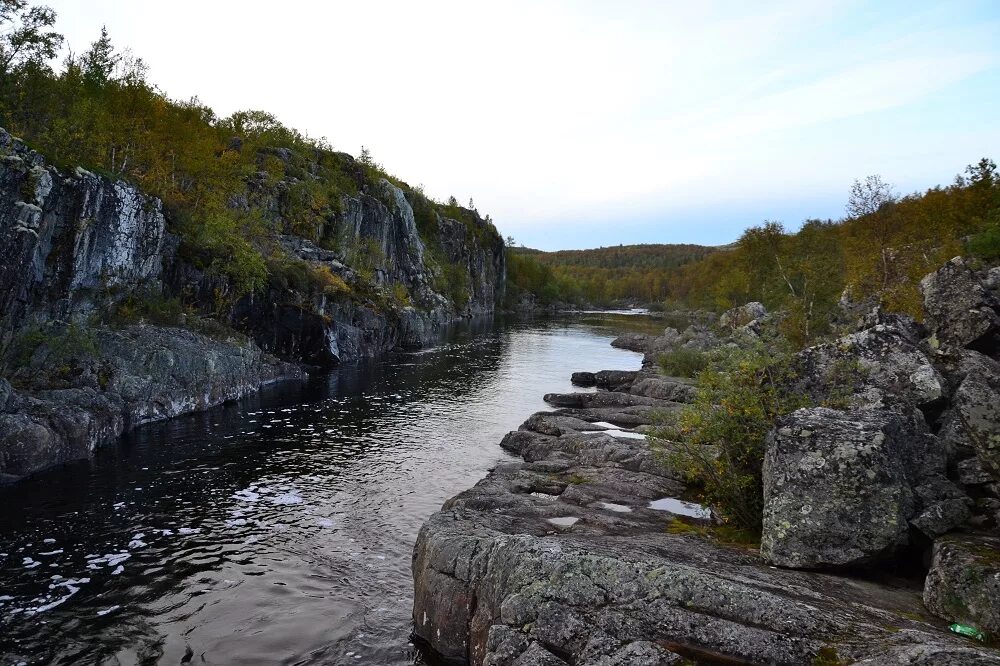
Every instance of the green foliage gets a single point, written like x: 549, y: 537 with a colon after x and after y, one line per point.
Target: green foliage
x: 290, y: 273
x: 682, y: 362
x: 718, y: 440
x: 526, y: 274
x: 151, y: 308
x: 401, y: 295
x: 986, y: 244
x: 608, y: 274
x: 48, y: 354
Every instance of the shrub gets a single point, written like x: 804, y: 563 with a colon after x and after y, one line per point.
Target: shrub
x: 400, y: 294
x: 986, y: 244
x: 153, y: 308
x: 682, y: 362
x: 329, y: 283
x: 717, y: 441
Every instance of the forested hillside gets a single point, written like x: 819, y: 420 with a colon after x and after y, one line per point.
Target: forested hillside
x: 98, y: 111
x: 603, y: 275
x: 878, y: 252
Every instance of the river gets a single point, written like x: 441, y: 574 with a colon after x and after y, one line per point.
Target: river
x: 277, y: 529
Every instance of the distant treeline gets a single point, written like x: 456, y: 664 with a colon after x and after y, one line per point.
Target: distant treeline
x: 878, y: 252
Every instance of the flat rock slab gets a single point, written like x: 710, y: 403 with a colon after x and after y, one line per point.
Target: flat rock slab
x: 561, y: 560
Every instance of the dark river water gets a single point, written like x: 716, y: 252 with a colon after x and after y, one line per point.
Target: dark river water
x: 279, y: 529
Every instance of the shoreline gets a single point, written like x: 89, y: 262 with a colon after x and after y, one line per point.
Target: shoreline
x: 567, y: 556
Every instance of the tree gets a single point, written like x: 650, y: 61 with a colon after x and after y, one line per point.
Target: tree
x: 510, y: 241
x: 25, y: 36
x: 366, y: 157
x: 452, y: 201
x: 100, y: 60
x: 869, y: 196
x: 872, y: 201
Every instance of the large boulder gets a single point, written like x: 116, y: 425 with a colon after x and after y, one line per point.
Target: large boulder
x: 876, y: 367
x: 843, y: 488
x: 959, y: 309
x: 972, y: 424
x: 742, y: 315
x: 963, y: 584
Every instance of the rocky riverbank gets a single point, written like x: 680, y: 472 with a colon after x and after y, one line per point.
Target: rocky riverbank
x: 879, y: 525
x: 114, y: 313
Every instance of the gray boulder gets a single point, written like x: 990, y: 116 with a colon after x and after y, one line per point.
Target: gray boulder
x: 963, y: 584
x: 675, y: 389
x: 972, y: 424
x: 959, y: 309
x: 877, y: 367
x: 841, y: 488
x: 742, y: 315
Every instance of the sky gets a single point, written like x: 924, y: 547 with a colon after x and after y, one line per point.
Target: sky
x: 582, y: 124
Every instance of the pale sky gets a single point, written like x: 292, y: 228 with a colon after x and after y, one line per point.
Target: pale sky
x: 580, y: 124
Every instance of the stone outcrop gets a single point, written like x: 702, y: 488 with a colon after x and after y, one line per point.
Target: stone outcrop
x: 742, y: 316
x: 70, y: 243
x: 123, y: 379
x: 585, y: 554
x: 845, y: 488
x: 879, y: 366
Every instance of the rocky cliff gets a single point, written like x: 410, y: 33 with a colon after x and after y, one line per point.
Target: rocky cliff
x: 111, y: 316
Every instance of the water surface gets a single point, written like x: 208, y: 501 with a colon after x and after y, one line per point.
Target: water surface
x: 279, y: 529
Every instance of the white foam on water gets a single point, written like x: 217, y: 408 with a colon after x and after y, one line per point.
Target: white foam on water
x: 287, y: 498
x: 247, y: 495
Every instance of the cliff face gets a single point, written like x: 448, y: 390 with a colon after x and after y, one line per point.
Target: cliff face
x: 77, y: 250
x: 70, y: 243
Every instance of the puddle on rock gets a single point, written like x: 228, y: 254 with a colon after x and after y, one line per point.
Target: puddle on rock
x: 564, y: 521
x: 680, y: 507
x: 617, y: 508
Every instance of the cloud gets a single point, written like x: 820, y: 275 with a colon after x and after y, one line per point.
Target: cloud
x: 567, y: 113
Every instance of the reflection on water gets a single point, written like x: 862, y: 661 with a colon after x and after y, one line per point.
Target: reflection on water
x: 278, y: 529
